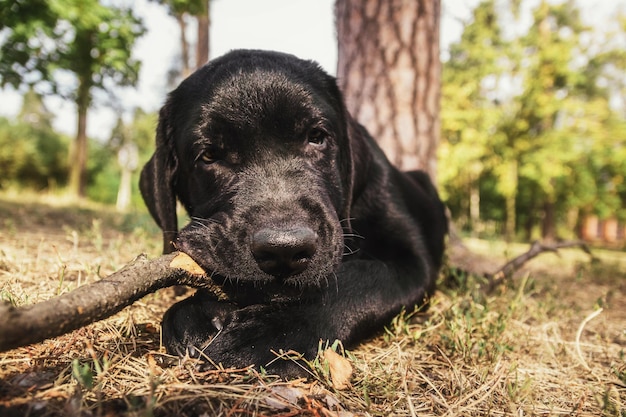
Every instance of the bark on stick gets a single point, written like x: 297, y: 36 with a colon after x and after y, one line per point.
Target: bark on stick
x: 21, y: 326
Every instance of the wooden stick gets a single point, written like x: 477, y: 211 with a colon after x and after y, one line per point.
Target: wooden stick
x: 25, y: 325
x: 21, y: 326
x: 537, y: 248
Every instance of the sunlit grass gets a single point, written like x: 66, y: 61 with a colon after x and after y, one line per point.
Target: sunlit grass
x: 530, y: 348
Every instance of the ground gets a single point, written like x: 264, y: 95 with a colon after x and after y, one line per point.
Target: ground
x: 551, y: 341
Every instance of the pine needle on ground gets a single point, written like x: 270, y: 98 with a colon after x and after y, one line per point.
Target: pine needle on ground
x: 550, y: 342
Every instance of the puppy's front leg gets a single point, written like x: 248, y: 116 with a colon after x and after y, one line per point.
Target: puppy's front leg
x: 365, y: 297
x: 190, y: 325
x: 235, y: 337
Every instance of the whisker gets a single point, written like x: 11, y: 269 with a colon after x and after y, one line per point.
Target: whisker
x: 353, y: 235
x: 204, y: 221
x: 349, y: 251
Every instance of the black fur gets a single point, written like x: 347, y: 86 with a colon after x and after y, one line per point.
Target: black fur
x: 294, y: 210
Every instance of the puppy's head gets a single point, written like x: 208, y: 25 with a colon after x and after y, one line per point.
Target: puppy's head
x: 255, y: 146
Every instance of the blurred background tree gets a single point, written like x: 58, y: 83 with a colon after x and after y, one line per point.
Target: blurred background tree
x: 32, y: 154
x: 118, y: 176
x: 84, y: 38
x: 534, y: 135
x: 183, y: 11
x: 533, y: 104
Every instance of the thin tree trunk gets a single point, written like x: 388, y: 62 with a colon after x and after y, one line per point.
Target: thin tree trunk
x: 548, y: 229
x: 202, y: 45
x: 510, y: 195
x: 184, y: 46
x: 78, y: 155
x: 125, y: 190
x: 474, y: 206
x: 389, y: 71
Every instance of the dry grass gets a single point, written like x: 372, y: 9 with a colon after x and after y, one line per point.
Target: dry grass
x: 540, y: 346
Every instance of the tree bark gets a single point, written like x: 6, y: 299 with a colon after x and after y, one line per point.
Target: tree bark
x: 390, y: 73
x: 89, y: 303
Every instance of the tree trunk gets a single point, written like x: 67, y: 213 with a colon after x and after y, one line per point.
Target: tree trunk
x: 184, y: 46
x: 548, y: 229
x: 78, y: 155
x: 389, y: 71
x: 474, y: 206
x: 529, y: 225
x: 202, y: 45
x: 511, y: 217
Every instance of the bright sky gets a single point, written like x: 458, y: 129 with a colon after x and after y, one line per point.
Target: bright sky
x: 302, y: 27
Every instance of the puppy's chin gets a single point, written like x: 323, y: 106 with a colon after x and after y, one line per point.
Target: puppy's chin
x: 245, y: 284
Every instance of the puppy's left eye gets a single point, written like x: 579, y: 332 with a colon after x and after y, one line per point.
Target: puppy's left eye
x: 317, y: 137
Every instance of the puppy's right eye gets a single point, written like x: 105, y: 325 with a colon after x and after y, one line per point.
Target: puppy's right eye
x: 206, y: 158
x: 316, y: 137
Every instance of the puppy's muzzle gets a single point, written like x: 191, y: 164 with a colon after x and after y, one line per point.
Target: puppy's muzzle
x: 284, y: 252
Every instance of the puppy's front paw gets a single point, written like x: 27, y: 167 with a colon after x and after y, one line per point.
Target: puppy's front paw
x: 189, y: 326
x: 238, y: 337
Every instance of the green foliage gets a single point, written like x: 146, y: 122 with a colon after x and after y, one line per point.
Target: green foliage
x: 84, y: 37
x: 32, y: 156
x: 104, y: 174
x: 180, y: 7
x: 104, y: 169
x: 44, y: 41
x: 528, y: 123
x: 89, y: 374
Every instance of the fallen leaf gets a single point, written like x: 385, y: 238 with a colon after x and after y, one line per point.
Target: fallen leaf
x: 340, y: 369
x: 184, y: 262
x: 283, y: 397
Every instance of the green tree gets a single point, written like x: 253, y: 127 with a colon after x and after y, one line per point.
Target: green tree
x: 32, y: 154
x: 90, y: 41
x: 107, y: 172
x: 181, y: 10
x: 471, y: 112
x: 562, y: 100
x: 529, y: 117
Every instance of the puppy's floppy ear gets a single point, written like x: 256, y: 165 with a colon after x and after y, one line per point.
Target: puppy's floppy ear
x: 354, y: 156
x: 355, y: 163
x: 157, y: 181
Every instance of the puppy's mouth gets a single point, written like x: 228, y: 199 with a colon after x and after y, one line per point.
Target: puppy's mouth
x: 244, y: 293
x: 280, y: 275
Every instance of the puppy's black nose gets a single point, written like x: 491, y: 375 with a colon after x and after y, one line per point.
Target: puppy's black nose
x: 284, y: 252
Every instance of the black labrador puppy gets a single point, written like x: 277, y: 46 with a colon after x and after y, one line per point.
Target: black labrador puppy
x: 295, y: 212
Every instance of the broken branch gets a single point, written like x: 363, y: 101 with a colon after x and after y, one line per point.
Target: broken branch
x: 21, y: 326
x: 537, y: 248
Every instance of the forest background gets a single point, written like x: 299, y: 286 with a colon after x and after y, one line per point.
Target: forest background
x: 533, y: 112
